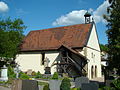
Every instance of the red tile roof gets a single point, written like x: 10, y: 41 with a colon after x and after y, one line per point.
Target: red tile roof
x: 51, y: 39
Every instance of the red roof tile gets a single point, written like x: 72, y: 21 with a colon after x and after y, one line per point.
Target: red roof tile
x: 51, y: 39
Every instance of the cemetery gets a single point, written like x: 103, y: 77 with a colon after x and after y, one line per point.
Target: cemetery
x: 14, y: 79
x: 63, y: 68
x: 68, y: 57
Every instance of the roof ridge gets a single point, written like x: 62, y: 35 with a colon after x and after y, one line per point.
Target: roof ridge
x: 59, y: 27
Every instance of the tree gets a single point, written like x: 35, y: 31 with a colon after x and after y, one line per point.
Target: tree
x: 11, y: 35
x: 104, y: 47
x: 113, y: 33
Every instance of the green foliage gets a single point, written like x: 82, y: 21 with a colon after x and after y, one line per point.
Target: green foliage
x: 106, y: 88
x: 11, y: 73
x: 3, y: 82
x: 46, y: 87
x: 23, y: 76
x: 38, y: 75
x: 65, y: 84
x: 11, y: 35
x: 20, y: 73
x: 103, y: 47
x: 117, y: 84
x: 42, y: 83
x: 75, y: 89
x: 113, y: 33
x: 55, y: 76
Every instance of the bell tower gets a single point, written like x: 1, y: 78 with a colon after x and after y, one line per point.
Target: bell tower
x: 87, y: 17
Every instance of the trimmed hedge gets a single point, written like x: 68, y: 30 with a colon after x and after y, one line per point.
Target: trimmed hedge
x: 55, y: 76
x: 46, y: 87
x: 65, y: 85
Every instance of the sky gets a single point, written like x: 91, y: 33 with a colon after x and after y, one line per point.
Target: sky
x: 43, y: 14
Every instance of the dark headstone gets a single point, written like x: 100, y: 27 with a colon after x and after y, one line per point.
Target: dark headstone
x: 89, y: 86
x: 80, y: 80
x: 109, y: 83
x: 25, y: 85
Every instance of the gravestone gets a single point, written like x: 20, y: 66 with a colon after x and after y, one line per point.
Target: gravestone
x: 4, y: 75
x: 25, y: 85
x: 17, y: 70
x: 80, y: 80
x: 90, y: 86
x: 109, y: 83
x: 54, y: 84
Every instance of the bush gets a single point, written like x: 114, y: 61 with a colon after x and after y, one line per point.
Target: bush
x: 23, y: 76
x: 33, y: 73
x: 46, y: 87
x: 11, y: 73
x: 75, y: 88
x: 38, y: 75
x: 116, y: 84
x: 55, y: 76
x: 65, y: 85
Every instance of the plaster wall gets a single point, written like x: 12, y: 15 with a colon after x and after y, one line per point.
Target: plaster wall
x: 33, y: 61
x: 92, y: 52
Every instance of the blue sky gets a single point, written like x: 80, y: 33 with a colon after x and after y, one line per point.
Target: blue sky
x: 41, y: 14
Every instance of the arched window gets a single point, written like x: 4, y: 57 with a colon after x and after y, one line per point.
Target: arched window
x: 92, y: 72
x: 95, y: 71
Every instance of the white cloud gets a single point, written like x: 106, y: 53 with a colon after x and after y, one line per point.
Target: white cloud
x: 3, y: 7
x: 73, y: 17
x: 77, y: 16
x: 98, y: 14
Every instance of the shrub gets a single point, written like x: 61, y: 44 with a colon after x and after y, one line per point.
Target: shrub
x: 75, y: 88
x: 116, y: 84
x: 23, y: 76
x: 55, y: 76
x: 108, y: 88
x: 46, y: 87
x: 33, y: 73
x: 11, y: 73
x: 65, y: 85
x: 38, y: 75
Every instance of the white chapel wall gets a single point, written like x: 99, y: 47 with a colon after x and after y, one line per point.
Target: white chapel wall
x: 33, y: 61
x: 92, y: 52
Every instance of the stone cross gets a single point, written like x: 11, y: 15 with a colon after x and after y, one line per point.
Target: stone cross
x: 17, y: 70
x: 47, y: 61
